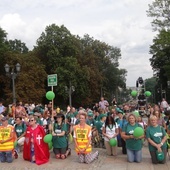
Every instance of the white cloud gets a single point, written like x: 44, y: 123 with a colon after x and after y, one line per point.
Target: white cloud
x: 123, y: 24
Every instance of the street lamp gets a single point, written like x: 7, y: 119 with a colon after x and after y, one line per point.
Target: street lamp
x: 70, y: 90
x: 168, y: 83
x: 13, y: 76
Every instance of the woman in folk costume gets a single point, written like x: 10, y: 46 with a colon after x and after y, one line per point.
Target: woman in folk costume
x: 35, y: 149
x: 82, y: 137
x: 60, y: 142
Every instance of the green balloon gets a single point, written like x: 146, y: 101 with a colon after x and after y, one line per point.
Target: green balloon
x: 15, y: 143
x: 136, y: 113
x: 50, y: 95
x: 134, y: 93
x: 50, y: 145
x: 138, y: 131
x: 160, y: 156
x: 48, y: 138
x: 148, y: 93
x: 113, y: 142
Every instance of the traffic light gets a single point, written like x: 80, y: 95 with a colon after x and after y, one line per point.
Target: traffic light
x: 140, y: 80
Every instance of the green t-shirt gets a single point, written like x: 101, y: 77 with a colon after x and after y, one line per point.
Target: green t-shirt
x: 91, y: 122
x: 59, y: 141
x: 20, y: 129
x: 156, y: 134
x: 70, y: 115
x: 11, y: 121
x: 99, y: 126
x: 132, y: 144
x: 40, y: 122
x: 169, y: 127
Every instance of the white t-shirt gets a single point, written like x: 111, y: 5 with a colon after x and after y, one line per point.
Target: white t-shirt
x: 110, y: 131
x: 164, y: 104
x: 2, y: 108
x: 44, y: 121
x: 143, y: 123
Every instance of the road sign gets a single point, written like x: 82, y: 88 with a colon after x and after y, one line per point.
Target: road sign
x: 52, y: 80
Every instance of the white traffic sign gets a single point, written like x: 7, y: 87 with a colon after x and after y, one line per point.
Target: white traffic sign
x: 52, y: 80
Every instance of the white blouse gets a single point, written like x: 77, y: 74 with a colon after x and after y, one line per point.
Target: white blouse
x: 110, y: 131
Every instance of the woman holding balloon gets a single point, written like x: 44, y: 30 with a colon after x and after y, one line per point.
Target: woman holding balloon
x: 133, y: 134
x: 156, y: 137
x: 59, y: 140
x: 110, y: 132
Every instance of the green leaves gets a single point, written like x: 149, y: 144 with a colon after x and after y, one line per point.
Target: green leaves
x: 159, y: 10
x: 87, y: 64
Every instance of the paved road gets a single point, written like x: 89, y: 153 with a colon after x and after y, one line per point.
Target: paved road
x: 103, y: 163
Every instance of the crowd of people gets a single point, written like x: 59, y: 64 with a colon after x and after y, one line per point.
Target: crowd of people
x: 24, y: 127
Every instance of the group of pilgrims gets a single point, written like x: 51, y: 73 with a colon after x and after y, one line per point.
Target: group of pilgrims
x: 26, y: 128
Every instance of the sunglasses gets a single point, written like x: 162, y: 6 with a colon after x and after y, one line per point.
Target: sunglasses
x: 31, y: 120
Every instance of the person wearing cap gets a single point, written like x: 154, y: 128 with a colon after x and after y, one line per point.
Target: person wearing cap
x: 6, y: 141
x: 99, y: 126
x: 70, y: 119
x: 60, y: 143
x: 82, y: 138
x: 90, y: 121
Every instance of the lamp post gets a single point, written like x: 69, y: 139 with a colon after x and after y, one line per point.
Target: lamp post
x: 168, y: 84
x: 13, y: 74
x: 70, y: 90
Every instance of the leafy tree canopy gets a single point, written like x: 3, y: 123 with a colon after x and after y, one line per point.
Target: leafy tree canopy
x: 160, y: 11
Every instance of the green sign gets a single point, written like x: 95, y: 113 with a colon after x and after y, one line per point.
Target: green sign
x: 52, y: 80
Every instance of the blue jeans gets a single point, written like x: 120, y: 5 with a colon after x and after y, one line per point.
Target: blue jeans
x: 6, y: 156
x: 134, y: 156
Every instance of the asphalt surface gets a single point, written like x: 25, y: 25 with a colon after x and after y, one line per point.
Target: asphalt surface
x: 104, y: 162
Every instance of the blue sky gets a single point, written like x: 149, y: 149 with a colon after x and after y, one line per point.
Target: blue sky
x: 122, y: 24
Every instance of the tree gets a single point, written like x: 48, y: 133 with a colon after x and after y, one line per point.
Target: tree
x: 103, y: 60
x: 30, y: 80
x: 53, y: 44
x: 160, y: 61
x: 3, y: 50
x: 151, y: 85
x: 90, y: 65
x: 160, y: 11
x: 17, y: 46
